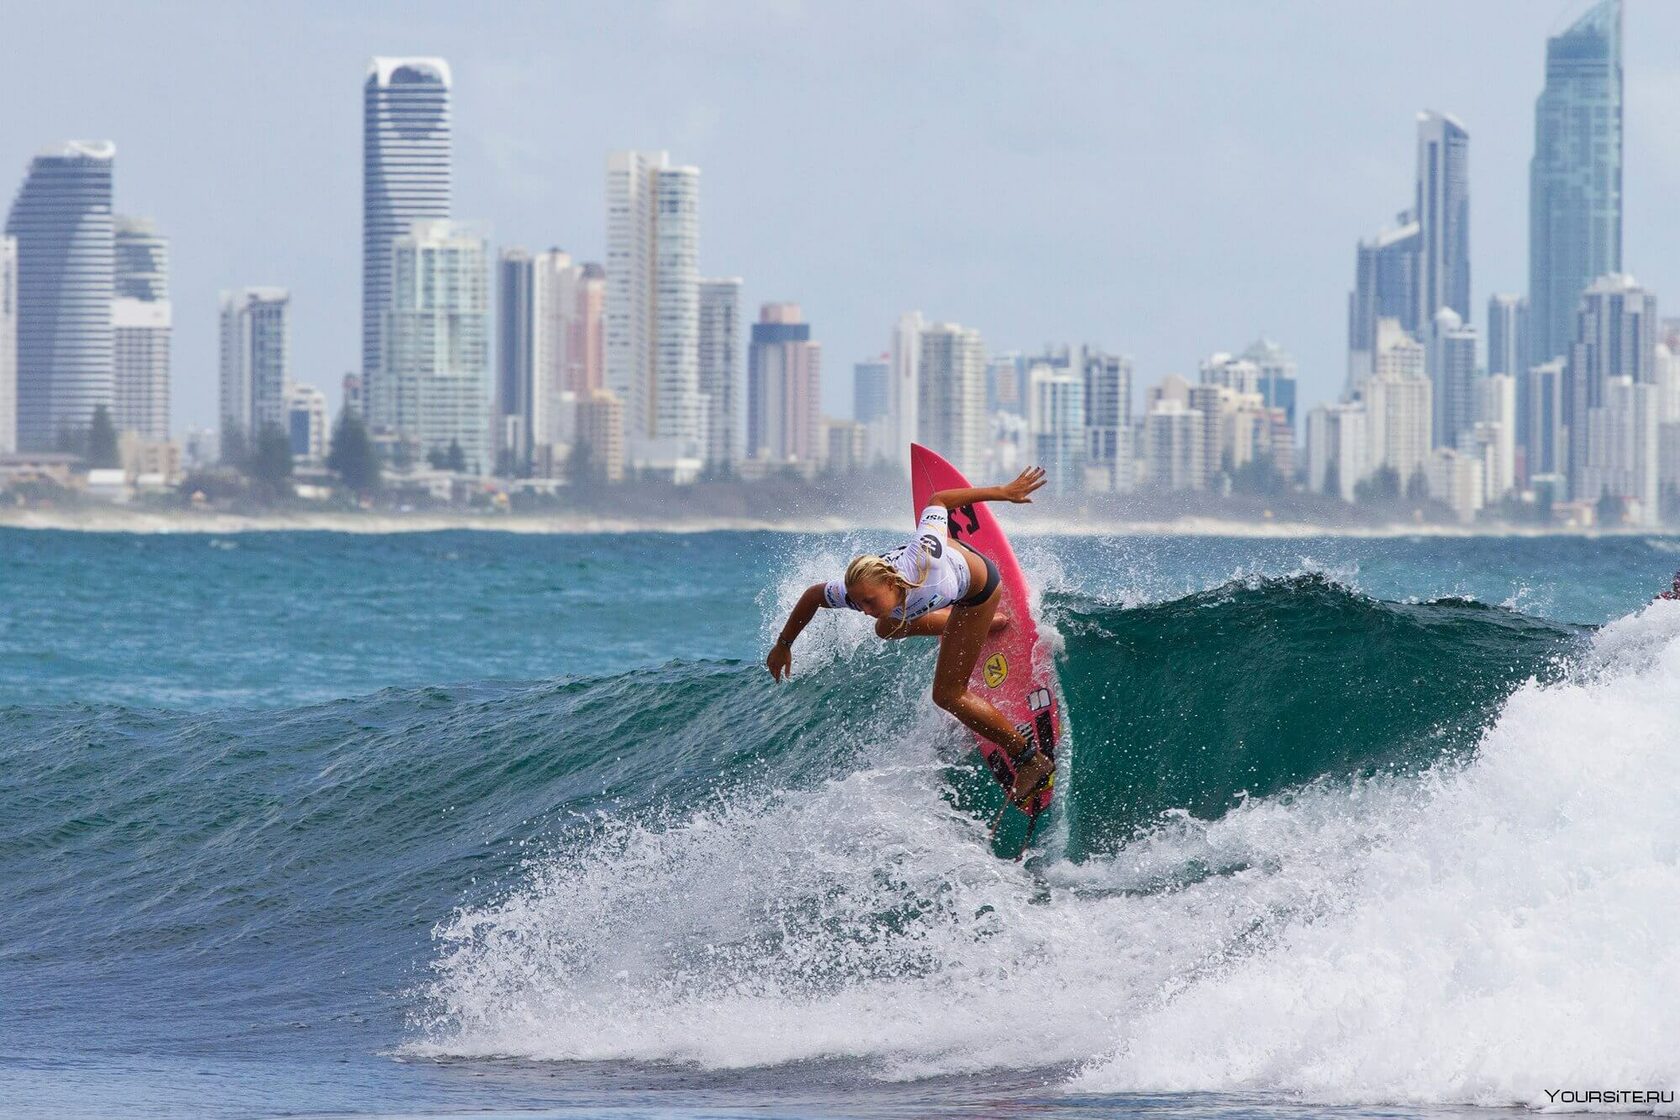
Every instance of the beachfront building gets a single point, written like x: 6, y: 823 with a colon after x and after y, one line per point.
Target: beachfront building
x: 902, y: 423
x: 8, y: 345
x: 1173, y: 452
x: 406, y: 177
x: 141, y: 328
x: 1385, y: 286
x: 951, y: 395
x: 653, y: 310
x: 434, y: 394
x: 1615, y: 336
x: 784, y: 390
x: 1277, y: 375
x: 1452, y: 369
x: 515, y: 328
x: 1575, y: 177
x: 1338, y: 449
x: 720, y: 369
x: 1442, y: 204
x: 255, y: 363
x: 306, y: 423
x: 1107, y: 416
x: 1056, y: 425
x: 61, y: 223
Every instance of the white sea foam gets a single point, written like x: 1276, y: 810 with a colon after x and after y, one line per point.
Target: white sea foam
x: 1509, y: 928
x: 1481, y: 933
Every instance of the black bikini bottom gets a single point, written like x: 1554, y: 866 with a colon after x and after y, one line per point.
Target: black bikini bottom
x: 993, y: 578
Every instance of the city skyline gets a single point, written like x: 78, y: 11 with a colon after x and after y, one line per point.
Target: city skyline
x: 1059, y: 244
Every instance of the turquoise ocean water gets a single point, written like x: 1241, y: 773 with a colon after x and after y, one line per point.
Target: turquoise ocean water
x: 484, y: 823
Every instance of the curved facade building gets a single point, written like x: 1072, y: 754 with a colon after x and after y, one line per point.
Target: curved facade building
x: 405, y: 177
x: 61, y: 220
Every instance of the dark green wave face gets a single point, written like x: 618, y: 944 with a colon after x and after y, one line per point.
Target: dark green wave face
x: 1252, y: 688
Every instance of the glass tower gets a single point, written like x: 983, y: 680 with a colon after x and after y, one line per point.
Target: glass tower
x: 1443, y: 213
x: 1575, y: 178
x: 61, y: 219
x: 405, y: 177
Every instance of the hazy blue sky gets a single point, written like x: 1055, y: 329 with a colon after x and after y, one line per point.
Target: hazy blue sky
x: 1164, y: 179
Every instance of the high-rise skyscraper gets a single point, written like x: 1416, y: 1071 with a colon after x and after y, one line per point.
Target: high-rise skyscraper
x: 1443, y: 210
x: 8, y: 345
x: 255, y: 363
x: 515, y: 329
x: 1385, y: 286
x: 556, y: 299
x: 141, y: 325
x: 951, y: 397
x: 784, y: 388
x: 869, y: 389
x: 1056, y: 425
x: 1615, y: 336
x: 548, y: 331
x: 435, y: 391
x: 1277, y: 375
x: 1507, y: 326
x: 1575, y: 178
x: 653, y: 307
x: 61, y: 219
x: 1452, y: 369
x: 406, y: 177
x: 903, y: 424
x: 1107, y: 417
x: 1507, y: 351
x: 1398, y: 405
x: 720, y: 365
x: 1545, y: 452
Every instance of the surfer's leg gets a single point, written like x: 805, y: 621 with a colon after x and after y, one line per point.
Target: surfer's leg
x: 959, y: 649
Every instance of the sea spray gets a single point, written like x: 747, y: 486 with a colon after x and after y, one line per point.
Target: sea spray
x: 862, y: 918
x: 1504, y: 926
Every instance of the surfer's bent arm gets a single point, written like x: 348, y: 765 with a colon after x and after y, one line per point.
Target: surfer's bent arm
x: 780, y: 661
x: 1018, y: 491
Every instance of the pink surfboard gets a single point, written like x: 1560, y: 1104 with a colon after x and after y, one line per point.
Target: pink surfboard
x: 1012, y: 672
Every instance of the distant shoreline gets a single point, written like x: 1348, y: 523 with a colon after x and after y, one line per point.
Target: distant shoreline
x: 141, y: 521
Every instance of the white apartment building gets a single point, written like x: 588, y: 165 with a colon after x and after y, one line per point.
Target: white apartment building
x: 653, y: 309
x: 951, y: 397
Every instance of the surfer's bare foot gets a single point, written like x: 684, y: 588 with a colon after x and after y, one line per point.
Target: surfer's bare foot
x: 999, y: 621
x: 1029, y: 775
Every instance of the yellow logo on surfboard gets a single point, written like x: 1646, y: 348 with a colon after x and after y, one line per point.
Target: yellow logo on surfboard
x: 997, y: 670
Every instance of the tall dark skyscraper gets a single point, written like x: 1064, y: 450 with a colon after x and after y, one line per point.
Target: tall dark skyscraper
x: 1575, y: 178
x: 1385, y: 286
x: 405, y: 176
x: 61, y: 219
x: 1443, y: 212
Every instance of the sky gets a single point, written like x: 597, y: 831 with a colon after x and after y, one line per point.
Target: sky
x: 1164, y: 180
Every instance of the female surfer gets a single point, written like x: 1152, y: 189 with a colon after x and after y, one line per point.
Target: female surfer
x: 935, y: 586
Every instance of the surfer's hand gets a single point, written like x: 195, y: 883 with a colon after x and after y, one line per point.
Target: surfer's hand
x: 780, y: 662
x: 1021, y: 489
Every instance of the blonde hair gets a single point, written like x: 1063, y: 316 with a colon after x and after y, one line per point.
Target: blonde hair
x: 875, y: 568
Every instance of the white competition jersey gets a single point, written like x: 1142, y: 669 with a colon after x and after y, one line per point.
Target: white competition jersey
x: 930, y: 559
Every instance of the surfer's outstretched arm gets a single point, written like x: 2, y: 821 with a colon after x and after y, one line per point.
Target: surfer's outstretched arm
x: 1018, y: 491
x: 780, y: 661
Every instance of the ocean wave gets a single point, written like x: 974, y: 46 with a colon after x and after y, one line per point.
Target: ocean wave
x: 1308, y: 842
